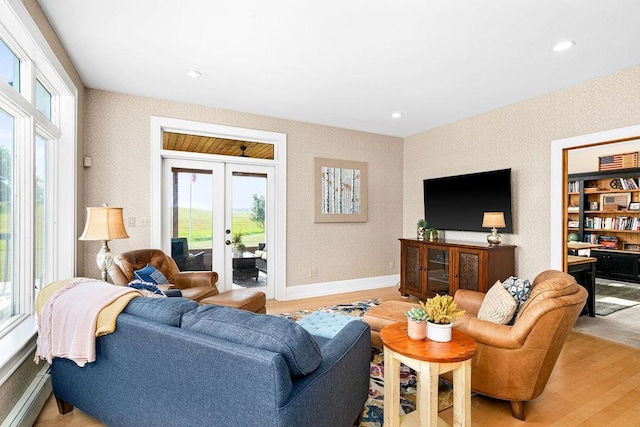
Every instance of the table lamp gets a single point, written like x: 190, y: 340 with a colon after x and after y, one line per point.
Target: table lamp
x: 493, y: 220
x: 104, y: 223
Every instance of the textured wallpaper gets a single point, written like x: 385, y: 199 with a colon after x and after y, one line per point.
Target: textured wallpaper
x: 118, y: 140
x: 519, y: 137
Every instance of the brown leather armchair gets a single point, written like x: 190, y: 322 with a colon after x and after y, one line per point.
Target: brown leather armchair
x: 195, y: 285
x: 514, y: 362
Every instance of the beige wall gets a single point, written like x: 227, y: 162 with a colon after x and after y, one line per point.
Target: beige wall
x: 15, y: 386
x: 586, y: 159
x: 519, y: 137
x: 118, y: 140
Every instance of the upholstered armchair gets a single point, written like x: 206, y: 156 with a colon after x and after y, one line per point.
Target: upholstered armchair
x: 195, y: 285
x: 514, y: 362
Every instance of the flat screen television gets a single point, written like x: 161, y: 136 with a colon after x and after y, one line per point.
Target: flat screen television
x: 459, y: 202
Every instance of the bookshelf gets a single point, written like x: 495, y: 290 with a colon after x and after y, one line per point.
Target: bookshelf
x: 598, y: 211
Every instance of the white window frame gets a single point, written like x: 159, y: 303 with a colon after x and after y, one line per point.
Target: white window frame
x: 23, y: 37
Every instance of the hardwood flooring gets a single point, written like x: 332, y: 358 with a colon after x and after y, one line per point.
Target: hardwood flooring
x: 595, y: 382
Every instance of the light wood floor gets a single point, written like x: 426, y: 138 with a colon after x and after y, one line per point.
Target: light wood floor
x: 595, y: 382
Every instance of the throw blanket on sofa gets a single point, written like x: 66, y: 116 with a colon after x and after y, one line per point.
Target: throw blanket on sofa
x: 73, y: 312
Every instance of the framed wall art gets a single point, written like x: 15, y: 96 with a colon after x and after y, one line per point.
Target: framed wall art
x: 340, y: 190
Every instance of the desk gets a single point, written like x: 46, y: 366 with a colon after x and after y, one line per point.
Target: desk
x: 574, y: 248
x: 584, y: 270
x: 429, y: 359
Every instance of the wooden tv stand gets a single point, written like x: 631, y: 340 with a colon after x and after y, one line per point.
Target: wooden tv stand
x: 427, y: 268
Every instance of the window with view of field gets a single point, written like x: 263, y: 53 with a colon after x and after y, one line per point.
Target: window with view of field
x: 7, y: 137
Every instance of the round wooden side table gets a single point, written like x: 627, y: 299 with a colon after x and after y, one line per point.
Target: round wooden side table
x: 429, y: 359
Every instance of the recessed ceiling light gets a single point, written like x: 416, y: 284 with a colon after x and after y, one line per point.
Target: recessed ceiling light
x: 194, y: 74
x: 396, y: 115
x: 564, y: 45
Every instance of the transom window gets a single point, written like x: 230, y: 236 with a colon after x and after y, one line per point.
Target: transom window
x: 9, y: 66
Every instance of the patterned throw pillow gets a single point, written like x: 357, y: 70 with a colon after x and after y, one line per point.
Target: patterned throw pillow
x: 498, y: 305
x: 520, y: 289
x: 151, y: 274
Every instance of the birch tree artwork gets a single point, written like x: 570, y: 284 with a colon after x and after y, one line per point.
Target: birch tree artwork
x: 341, y: 191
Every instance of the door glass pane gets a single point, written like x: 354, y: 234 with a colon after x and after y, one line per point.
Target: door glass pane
x: 43, y: 100
x: 40, y: 203
x: 6, y: 215
x: 249, y: 192
x: 438, y: 270
x: 192, y: 216
x: 9, y: 67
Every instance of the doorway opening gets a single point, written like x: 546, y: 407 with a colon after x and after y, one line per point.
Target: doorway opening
x: 221, y: 209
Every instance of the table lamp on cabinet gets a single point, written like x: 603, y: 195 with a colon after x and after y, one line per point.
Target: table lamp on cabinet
x: 104, y: 223
x: 493, y: 220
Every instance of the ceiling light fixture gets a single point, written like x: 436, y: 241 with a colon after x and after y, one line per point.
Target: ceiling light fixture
x: 564, y: 45
x: 194, y: 74
x: 396, y: 115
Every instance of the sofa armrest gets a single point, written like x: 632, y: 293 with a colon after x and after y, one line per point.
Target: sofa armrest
x: 469, y: 301
x: 192, y: 279
x: 488, y: 333
x: 345, y: 361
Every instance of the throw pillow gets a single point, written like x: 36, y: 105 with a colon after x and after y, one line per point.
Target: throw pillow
x: 151, y: 274
x: 520, y: 289
x: 498, y: 305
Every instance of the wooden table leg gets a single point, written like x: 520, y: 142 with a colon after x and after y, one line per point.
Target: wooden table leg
x: 391, y: 389
x: 427, y: 399
x: 462, y: 395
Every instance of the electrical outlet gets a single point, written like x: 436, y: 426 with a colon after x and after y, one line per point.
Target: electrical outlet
x: 391, y: 264
x: 145, y: 221
x: 313, y: 272
x: 131, y: 221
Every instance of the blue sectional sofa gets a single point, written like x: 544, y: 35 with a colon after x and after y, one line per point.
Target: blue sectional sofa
x: 171, y: 362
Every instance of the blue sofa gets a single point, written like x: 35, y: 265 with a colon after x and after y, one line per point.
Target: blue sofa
x: 171, y: 362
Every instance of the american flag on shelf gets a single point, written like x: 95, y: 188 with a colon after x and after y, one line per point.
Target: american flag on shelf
x: 618, y: 161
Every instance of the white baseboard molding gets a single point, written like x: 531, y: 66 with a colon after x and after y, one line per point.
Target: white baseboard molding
x: 340, y: 287
x: 27, y: 409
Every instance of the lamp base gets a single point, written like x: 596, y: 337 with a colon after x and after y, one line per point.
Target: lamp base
x: 494, y: 238
x: 104, y: 259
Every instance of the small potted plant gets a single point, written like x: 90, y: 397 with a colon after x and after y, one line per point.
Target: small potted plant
x: 238, y: 246
x: 422, y: 226
x: 441, y: 311
x: 416, y: 323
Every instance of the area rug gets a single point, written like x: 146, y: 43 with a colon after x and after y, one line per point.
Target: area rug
x: 373, y: 415
x: 614, y: 296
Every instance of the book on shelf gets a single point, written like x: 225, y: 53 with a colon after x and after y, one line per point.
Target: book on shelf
x: 628, y: 184
x: 574, y: 186
x: 609, y: 242
x: 573, y: 209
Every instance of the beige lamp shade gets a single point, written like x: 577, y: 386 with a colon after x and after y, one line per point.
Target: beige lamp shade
x: 104, y: 223
x: 493, y: 220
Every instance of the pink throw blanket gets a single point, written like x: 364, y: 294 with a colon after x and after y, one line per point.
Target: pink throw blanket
x: 67, y: 323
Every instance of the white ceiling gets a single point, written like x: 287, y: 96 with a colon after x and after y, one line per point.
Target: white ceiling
x: 348, y: 63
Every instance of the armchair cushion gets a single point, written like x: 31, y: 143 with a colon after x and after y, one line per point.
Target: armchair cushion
x: 277, y: 334
x: 498, y: 305
x: 520, y: 289
x: 151, y: 274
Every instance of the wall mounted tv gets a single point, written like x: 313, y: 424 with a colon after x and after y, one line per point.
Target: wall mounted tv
x: 459, y: 202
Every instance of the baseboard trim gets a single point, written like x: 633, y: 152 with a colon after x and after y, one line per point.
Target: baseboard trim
x: 27, y: 409
x: 340, y: 287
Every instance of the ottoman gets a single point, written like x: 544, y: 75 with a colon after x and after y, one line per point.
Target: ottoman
x: 244, y: 299
x: 385, y: 314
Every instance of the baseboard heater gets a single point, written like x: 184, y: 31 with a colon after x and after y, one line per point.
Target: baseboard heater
x: 27, y: 409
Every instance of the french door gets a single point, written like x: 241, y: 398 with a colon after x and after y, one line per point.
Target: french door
x: 220, y: 216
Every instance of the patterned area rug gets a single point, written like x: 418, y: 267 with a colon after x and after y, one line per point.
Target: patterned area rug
x: 612, y: 296
x: 373, y: 414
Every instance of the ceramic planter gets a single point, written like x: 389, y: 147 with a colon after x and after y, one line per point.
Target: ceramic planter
x: 416, y: 330
x: 439, y: 332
